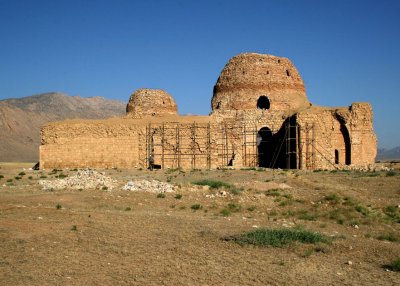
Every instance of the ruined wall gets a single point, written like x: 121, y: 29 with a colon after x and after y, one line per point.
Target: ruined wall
x: 98, y: 144
x: 336, y: 137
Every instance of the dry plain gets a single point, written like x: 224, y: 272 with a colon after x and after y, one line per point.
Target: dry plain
x: 116, y: 237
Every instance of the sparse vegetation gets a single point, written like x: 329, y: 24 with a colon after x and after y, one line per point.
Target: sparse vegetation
x: 74, y: 228
x: 391, y: 173
x: 196, y: 207
x: 278, y: 237
x: 58, y: 206
x: 332, y: 198
x: 178, y: 196
x: 1, y: 177
x: 161, y: 195
x: 22, y: 174
x: 9, y: 180
x: 128, y: 209
x: 213, y: 184
x: 394, y: 265
x: 392, y: 237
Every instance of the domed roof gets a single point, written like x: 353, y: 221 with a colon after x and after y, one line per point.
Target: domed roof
x: 151, y: 102
x: 251, y: 81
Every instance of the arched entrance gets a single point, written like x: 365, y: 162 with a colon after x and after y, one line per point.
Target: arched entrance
x: 265, y: 147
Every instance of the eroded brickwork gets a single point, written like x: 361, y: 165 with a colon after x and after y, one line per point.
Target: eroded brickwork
x: 260, y: 117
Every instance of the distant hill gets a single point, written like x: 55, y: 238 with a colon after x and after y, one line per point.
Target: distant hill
x: 388, y: 154
x: 21, y: 119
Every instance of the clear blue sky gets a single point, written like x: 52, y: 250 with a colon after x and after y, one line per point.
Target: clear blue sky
x: 346, y: 51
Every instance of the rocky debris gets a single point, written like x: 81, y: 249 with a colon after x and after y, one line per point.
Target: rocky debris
x: 219, y: 194
x: 84, y: 179
x: 152, y: 186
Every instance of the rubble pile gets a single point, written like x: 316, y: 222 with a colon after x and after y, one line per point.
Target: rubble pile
x: 84, y: 179
x: 152, y: 186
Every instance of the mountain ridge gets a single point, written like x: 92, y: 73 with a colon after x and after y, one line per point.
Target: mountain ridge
x: 21, y: 119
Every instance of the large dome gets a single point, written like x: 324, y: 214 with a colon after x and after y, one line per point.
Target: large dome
x: 151, y: 102
x: 251, y: 81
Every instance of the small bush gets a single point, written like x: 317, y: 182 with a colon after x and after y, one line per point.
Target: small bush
x: 58, y: 206
x: 43, y: 177
x: 304, y: 215
x: 278, y: 237
x: 30, y: 177
x: 161, y: 195
x: 390, y: 173
x: 104, y: 188
x: 61, y: 176
x: 9, y: 180
x: 128, y: 209
x: 251, y: 208
x: 196, y: 207
x: 225, y: 212
x: 22, y: 174
x: 212, y: 184
x: 233, y: 207
x: 392, y: 237
x: 333, y: 198
x: 394, y: 266
x: 74, y: 228
x: 1, y: 177
x: 18, y: 178
x: 178, y: 196
x: 273, y: 192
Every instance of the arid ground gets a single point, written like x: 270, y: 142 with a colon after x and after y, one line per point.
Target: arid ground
x: 116, y: 237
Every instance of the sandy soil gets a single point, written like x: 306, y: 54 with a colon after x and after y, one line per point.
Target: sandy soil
x: 103, y: 237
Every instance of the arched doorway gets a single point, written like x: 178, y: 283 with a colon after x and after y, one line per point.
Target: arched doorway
x: 347, y: 145
x: 265, y: 147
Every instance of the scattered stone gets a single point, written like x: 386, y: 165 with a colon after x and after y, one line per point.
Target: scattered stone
x: 152, y: 186
x: 349, y: 262
x: 356, y: 226
x: 84, y: 179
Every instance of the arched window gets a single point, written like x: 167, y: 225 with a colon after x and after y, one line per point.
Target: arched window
x: 263, y: 102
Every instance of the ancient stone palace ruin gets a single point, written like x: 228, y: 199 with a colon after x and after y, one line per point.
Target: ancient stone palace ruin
x: 260, y: 117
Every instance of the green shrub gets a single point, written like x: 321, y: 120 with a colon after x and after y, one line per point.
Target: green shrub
x: 161, y: 195
x: 394, y: 266
x: 278, y: 237
x: 30, y: 177
x: 74, y: 228
x: 225, y: 212
x: 392, y: 237
x: 213, y: 184
x: 178, y: 196
x: 43, y: 177
x: 18, y: 178
x: 22, y: 174
x: 196, y: 207
x: 9, y: 180
x: 391, y: 173
x: 128, y: 209
x: 333, y: 198
x: 304, y: 215
x: 233, y: 207
x: 58, y: 206
x: 61, y: 176
x: 1, y: 177
x: 251, y: 208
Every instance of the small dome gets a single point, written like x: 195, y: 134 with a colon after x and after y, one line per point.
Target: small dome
x: 151, y: 102
x: 251, y: 81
